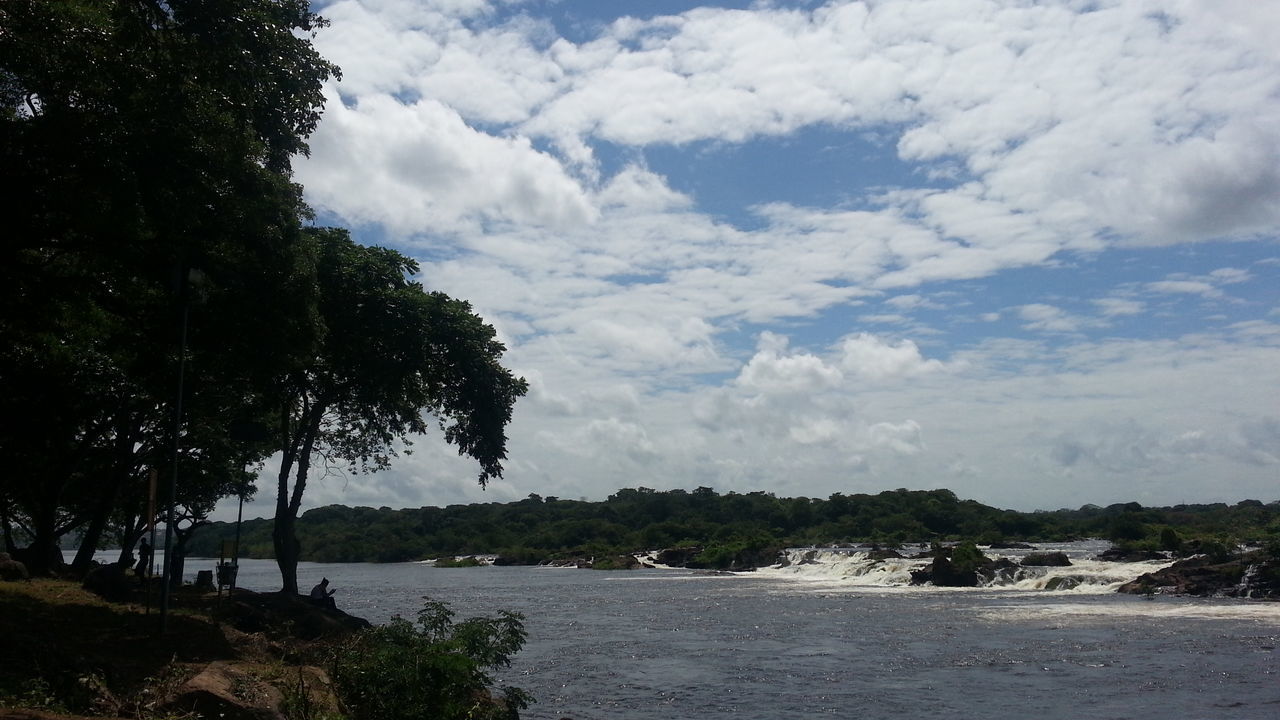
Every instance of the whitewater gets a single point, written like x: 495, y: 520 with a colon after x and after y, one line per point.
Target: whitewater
x: 841, y: 636
x: 858, y: 568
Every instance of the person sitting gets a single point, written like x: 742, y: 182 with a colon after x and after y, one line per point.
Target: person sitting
x: 322, y: 595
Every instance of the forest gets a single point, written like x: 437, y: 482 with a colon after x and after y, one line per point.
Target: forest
x: 539, y: 529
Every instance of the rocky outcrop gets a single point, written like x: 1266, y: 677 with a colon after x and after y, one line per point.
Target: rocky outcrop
x: 614, y: 562
x: 11, y: 569
x: 678, y: 556
x: 1125, y: 555
x: 963, y: 566
x: 1053, y: 559
x: 884, y: 554
x: 1253, y: 576
x: 1011, y: 546
x: 221, y: 690
x: 283, y: 612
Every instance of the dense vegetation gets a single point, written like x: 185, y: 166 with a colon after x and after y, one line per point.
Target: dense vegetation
x: 167, y: 309
x: 724, y: 525
x: 435, y: 669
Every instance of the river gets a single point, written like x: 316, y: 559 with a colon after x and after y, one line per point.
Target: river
x: 829, y: 638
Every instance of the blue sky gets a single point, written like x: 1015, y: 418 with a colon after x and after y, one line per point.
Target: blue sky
x: 1023, y: 250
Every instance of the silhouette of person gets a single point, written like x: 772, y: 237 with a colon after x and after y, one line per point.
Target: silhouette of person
x: 143, y: 567
x: 322, y: 595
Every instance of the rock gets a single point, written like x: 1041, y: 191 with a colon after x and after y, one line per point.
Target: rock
x: 612, y: 562
x: 53, y: 562
x: 282, y: 612
x: 884, y: 554
x: 1116, y: 554
x: 11, y: 569
x: 1011, y: 546
x: 1253, y: 576
x: 808, y: 558
x: 1053, y: 559
x: 960, y: 566
x: 222, y: 691
x: 1063, y: 582
x: 110, y: 582
x: 677, y: 557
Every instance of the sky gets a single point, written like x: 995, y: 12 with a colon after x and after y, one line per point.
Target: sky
x: 1027, y: 251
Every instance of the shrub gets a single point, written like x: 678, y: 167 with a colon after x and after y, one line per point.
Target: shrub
x: 436, y: 670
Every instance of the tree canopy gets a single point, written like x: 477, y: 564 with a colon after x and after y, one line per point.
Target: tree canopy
x: 153, y: 231
x: 386, y: 351
x: 638, y: 519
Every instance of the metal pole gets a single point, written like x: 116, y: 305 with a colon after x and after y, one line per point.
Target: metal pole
x: 165, y: 591
x: 235, y: 553
x: 149, y: 572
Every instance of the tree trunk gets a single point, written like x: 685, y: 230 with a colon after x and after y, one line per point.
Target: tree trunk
x: 43, y: 554
x: 287, y: 551
x: 9, y: 547
x: 121, y: 473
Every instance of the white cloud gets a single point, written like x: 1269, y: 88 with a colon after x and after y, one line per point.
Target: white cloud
x: 1189, y: 287
x: 872, y: 358
x: 517, y: 164
x: 417, y: 168
x: 1047, y: 318
x: 1115, y: 307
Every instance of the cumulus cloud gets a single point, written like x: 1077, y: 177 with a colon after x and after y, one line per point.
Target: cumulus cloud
x: 873, y: 358
x: 525, y: 169
x: 417, y: 167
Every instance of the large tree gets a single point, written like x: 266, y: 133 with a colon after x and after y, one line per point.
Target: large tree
x: 139, y: 138
x: 389, y: 355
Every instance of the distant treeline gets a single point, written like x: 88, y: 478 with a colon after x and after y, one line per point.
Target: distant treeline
x: 538, y: 529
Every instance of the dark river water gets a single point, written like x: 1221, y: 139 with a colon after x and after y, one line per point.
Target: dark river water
x: 679, y: 644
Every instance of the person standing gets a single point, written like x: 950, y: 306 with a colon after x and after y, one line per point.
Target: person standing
x: 143, y: 568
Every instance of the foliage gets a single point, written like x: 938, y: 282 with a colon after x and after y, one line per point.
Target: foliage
x: 966, y: 557
x: 139, y: 140
x: 387, y: 352
x: 436, y: 670
x: 536, y: 529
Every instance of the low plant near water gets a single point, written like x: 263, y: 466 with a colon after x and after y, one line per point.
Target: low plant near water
x: 434, y: 670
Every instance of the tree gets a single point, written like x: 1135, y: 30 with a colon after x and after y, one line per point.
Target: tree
x: 139, y: 138
x: 387, y: 352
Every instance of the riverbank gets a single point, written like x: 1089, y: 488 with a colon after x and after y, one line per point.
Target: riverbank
x: 68, y: 652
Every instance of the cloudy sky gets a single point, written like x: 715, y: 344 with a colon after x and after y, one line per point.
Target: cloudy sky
x: 1027, y: 251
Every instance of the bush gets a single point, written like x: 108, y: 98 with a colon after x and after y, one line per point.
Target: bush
x: 436, y: 670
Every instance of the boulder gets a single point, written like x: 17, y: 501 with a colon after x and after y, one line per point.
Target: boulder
x: 1053, y: 559
x: 1011, y: 546
x: 11, y: 569
x: 110, y: 582
x: 1116, y: 554
x: 222, y: 691
x: 884, y: 554
x: 1063, y: 582
x: 960, y: 566
x: 677, y: 557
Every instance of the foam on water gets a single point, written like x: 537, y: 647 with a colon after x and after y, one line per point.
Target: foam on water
x: 1264, y: 612
x: 857, y: 568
